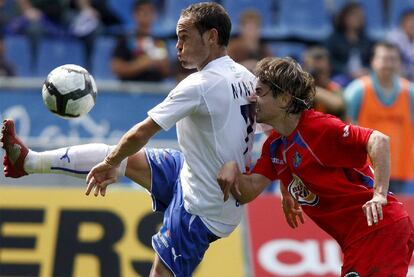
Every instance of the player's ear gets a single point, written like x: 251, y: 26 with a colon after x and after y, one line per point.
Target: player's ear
x: 285, y: 96
x: 213, y: 36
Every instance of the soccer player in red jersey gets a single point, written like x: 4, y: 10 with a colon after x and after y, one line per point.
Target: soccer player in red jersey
x: 323, y: 168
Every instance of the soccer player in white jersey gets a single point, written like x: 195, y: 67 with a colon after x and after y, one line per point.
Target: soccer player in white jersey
x: 214, y: 125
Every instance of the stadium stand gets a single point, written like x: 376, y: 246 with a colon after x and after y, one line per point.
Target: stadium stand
x: 18, y: 52
x: 101, y: 58
x: 53, y: 53
x: 288, y: 49
x: 303, y: 19
x: 396, y: 8
x: 265, y: 8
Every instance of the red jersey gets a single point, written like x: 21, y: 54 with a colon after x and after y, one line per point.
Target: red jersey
x: 323, y: 164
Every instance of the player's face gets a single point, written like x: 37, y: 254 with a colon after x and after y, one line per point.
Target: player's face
x: 144, y: 15
x: 268, y: 107
x: 192, y: 48
x: 386, y: 62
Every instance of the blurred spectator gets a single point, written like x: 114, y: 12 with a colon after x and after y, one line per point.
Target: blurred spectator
x: 57, y: 18
x: 141, y: 57
x: 328, y: 97
x: 348, y: 44
x: 384, y: 101
x: 91, y: 18
x: 39, y: 18
x: 247, y: 48
x: 6, y: 68
x: 403, y: 37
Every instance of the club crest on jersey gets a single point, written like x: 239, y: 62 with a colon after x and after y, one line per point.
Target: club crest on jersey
x: 301, y: 193
x: 297, y: 160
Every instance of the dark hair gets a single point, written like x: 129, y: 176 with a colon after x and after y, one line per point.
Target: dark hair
x: 339, y: 19
x: 210, y: 15
x: 285, y: 75
x: 316, y: 52
x: 405, y: 13
x: 139, y: 3
x: 385, y: 44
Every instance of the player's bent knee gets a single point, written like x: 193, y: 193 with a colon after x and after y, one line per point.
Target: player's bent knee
x: 138, y: 169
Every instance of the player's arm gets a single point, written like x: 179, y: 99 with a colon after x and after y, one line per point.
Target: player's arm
x: 334, y: 102
x: 126, y: 69
x: 244, y: 187
x: 131, y: 142
x: 353, y: 98
x: 291, y: 208
x: 378, y: 148
x: 31, y: 12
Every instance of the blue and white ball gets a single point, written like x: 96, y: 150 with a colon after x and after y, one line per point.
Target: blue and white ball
x: 69, y: 91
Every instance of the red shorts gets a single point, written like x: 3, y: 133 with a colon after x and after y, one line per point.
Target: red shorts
x: 385, y: 252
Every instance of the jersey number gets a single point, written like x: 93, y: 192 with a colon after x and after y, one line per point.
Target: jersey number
x: 247, y: 111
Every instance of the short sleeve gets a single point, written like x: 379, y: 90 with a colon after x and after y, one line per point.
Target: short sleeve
x: 353, y: 98
x: 264, y: 165
x: 341, y: 145
x: 180, y: 102
x: 411, y: 92
x: 121, y: 50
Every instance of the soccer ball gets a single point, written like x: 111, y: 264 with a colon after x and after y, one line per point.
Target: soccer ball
x: 69, y: 91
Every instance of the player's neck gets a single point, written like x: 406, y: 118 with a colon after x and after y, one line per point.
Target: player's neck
x: 286, y: 124
x: 386, y: 82
x: 214, y: 54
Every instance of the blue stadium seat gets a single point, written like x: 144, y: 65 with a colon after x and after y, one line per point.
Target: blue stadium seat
x: 396, y: 8
x: 101, y: 58
x: 169, y: 18
x: 265, y: 8
x: 374, y: 15
x: 304, y: 19
x: 56, y: 52
x: 18, y: 53
x: 288, y: 49
x: 123, y: 8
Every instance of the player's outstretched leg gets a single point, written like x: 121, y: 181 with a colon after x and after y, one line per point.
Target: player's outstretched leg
x: 16, y: 151
x: 75, y: 160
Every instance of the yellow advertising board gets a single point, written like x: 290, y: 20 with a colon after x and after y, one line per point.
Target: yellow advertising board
x: 56, y: 231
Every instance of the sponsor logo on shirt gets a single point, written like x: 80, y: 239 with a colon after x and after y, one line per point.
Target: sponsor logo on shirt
x: 174, y: 254
x: 297, y: 160
x: 66, y: 155
x: 346, y: 131
x: 277, y: 161
x: 162, y: 237
x: 301, y: 193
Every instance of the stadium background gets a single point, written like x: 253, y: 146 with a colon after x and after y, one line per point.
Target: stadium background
x: 49, y: 228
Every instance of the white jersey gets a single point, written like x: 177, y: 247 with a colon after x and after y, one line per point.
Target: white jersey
x: 215, y: 124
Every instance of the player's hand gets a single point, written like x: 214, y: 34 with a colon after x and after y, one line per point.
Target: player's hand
x: 33, y: 14
x: 227, y: 179
x: 292, y: 211
x: 100, y: 177
x: 373, y: 208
